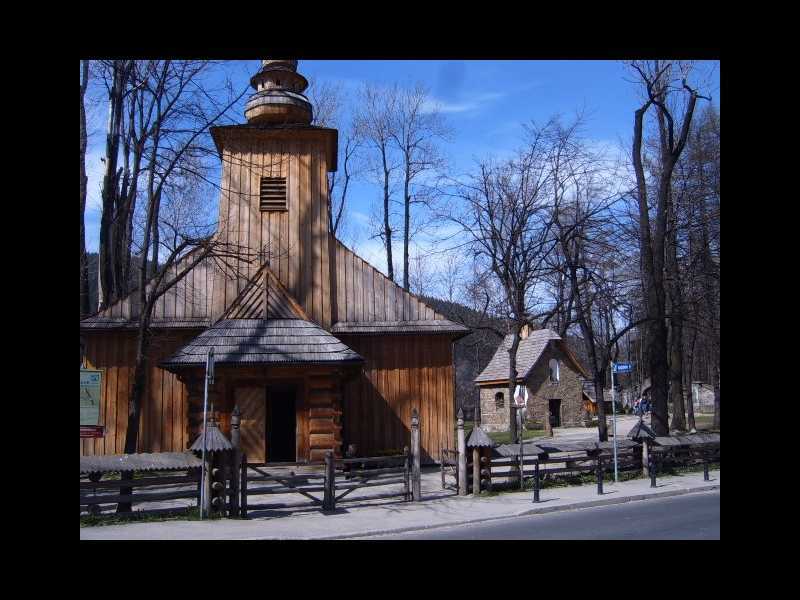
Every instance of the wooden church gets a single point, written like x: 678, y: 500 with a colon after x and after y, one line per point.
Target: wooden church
x: 318, y: 349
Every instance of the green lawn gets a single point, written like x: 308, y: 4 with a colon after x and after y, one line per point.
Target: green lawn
x: 504, y: 437
x: 703, y: 421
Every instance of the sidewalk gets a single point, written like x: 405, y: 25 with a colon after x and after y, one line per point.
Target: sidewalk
x: 362, y: 521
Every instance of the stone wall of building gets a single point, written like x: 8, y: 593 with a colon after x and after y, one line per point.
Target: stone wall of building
x: 540, y: 391
x: 568, y: 389
x: 494, y: 417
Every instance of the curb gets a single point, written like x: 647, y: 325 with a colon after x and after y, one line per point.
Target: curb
x: 527, y: 512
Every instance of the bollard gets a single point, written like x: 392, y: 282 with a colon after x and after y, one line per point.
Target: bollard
x: 599, y: 476
x: 329, y: 498
x: 476, y: 471
x: 651, y: 466
x: 243, y: 488
x: 536, y: 481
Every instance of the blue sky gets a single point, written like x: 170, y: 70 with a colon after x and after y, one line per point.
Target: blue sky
x: 485, y: 102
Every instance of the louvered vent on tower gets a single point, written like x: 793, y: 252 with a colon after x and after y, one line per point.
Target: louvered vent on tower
x: 273, y: 193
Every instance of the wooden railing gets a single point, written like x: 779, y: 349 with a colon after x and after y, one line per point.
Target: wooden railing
x: 102, y: 496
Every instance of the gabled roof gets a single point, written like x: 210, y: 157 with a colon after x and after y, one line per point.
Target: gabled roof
x: 265, y: 297
x: 528, y: 353
x: 263, y: 342
x: 264, y: 325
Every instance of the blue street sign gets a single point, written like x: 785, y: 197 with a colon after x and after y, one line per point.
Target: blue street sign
x: 623, y: 368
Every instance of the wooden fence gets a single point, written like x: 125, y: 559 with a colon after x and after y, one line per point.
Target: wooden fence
x: 628, y: 459
x: 103, y: 496
x: 327, y: 483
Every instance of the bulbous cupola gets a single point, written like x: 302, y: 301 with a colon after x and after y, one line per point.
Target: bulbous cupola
x: 279, y: 95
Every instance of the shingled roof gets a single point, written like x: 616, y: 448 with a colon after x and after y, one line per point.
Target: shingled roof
x: 529, y: 351
x: 400, y: 327
x: 259, y: 341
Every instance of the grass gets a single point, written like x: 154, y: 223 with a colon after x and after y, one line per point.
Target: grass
x: 504, y: 437
x: 193, y: 514
x: 703, y: 422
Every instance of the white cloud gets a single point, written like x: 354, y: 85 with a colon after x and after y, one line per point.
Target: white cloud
x: 474, y: 103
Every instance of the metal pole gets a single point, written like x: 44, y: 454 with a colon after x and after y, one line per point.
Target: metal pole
x: 614, y: 412
x: 203, y: 471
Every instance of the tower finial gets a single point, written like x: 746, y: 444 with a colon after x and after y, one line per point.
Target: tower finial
x: 279, y: 98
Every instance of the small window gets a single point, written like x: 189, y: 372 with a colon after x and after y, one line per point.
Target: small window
x: 499, y: 400
x: 554, y: 374
x: 273, y: 193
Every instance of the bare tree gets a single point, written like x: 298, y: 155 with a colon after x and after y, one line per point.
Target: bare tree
x: 374, y: 124
x: 508, y: 223
x: 415, y: 129
x: 659, y: 79
x: 330, y: 110
x: 85, y: 308
x: 118, y: 74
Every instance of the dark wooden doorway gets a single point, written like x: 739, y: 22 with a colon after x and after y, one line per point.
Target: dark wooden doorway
x: 555, y: 413
x: 281, y: 423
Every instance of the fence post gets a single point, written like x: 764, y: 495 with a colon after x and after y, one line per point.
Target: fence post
x: 599, y: 475
x: 407, y: 473
x: 329, y: 498
x: 415, y: 450
x: 476, y: 471
x: 205, y: 507
x: 536, y: 480
x: 485, y: 460
x: 705, y: 464
x: 521, y: 461
x: 646, y: 458
x: 243, y: 487
x: 462, y: 455
x: 236, y: 463
x: 442, y: 455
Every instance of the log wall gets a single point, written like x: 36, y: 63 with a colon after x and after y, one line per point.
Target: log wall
x: 401, y: 372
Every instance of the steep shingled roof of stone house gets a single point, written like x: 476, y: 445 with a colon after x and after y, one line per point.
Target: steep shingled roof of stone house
x: 529, y: 351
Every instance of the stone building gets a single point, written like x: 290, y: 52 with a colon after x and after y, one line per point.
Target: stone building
x: 552, y: 375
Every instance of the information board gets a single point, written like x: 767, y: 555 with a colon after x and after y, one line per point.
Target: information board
x: 91, y: 390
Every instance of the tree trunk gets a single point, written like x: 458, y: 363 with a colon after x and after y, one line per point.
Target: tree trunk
x: 406, y: 228
x: 387, y: 229
x: 675, y: 326
x: 105, y: 261
x: 690, y: 368
x: 512, y: 382
x: 84, y: 265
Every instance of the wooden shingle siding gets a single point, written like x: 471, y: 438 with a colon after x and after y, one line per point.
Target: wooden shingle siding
x: 364, y: 294
x: 400, y: 373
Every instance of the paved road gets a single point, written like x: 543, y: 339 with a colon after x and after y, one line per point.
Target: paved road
x: 690, y: 517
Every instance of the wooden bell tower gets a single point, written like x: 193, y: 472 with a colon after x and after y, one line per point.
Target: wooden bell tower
x: 274, y: 192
